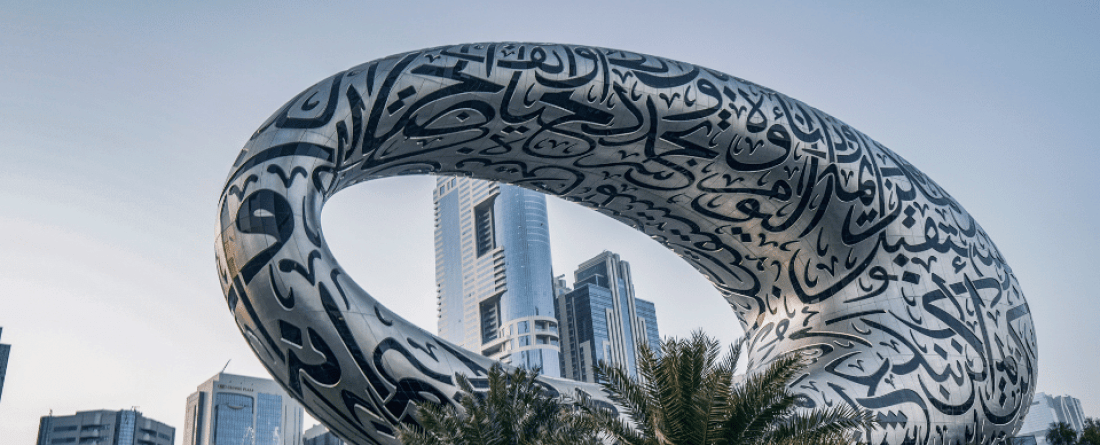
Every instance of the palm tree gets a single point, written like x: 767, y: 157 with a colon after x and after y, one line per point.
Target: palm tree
x: 515, y: 410
x: 1061, y: 433
x: 1091, y: 434
x: 687, y: 396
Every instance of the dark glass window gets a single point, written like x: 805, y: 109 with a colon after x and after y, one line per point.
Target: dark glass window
x: 490, y: 310
x: 483, y: 223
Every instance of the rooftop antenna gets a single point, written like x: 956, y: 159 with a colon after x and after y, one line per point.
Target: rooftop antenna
x: 226, y: 366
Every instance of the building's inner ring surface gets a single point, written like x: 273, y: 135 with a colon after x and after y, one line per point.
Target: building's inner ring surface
x: 823, y: 241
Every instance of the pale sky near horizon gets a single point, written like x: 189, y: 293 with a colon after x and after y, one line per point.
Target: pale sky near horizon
x: 119, y: 122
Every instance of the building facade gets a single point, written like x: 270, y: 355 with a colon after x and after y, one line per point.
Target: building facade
x: 1046, y: 410
x: 493, y: 272
x: 233, y: 409
x: 103, y: 427
x: 601, y: 319
x: 4, y: 351
x: 320, y: 435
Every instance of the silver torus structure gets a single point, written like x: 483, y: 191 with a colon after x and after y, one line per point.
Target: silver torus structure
x: 824, y: 242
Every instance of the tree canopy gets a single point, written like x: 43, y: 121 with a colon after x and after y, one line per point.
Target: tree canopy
x: 1061, y: 433
x: 687, y: 395
x: 514, y: 409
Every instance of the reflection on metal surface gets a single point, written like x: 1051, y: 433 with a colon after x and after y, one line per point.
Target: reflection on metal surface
x: 822, y: 240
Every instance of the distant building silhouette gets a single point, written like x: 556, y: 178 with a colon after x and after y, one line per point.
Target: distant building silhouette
x: 1046, y: 410
x: 104, y: 427
x: 4, y: 351
x: 601, y: 319
x: 320, y: 435
x: 234, y: 409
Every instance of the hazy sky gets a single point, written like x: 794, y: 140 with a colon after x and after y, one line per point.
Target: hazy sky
x: 119, y: 122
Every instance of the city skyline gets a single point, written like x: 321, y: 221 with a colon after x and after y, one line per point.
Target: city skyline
x: 119, y: 121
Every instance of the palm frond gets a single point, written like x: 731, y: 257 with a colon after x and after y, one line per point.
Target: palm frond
x: 629, y: 394
x: 761, y: 400
x: 611, y: 423
x: 513, y: 410
x: 687, y: 396
x: 821, y: 426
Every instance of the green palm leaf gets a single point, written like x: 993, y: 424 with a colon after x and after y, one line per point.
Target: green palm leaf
x: 686, y: 396
x: 513, y: 410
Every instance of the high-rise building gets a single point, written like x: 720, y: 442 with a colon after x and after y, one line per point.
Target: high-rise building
x: 601, y: 319
x: 320, y: 435
x: 493, y: 272
x: 4, y: 351
x: 1046, y: 410
x: 234, y: 409
x: 1069, y: 409
x: 103, y: 427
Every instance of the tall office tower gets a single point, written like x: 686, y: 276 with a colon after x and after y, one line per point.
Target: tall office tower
x: 103, y: 427
x: 235, y: 409
x: 493, y: 275
x: 1046, y: 410
x: 4, y: 351
x: 320, y: 435
x: 1070, y: 411
x: 602, y: 320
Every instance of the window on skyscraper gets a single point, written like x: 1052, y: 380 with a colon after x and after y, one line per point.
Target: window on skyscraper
x: 483, y: 224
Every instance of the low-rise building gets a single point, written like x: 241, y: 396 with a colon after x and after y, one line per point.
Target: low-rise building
x: 104, y: 427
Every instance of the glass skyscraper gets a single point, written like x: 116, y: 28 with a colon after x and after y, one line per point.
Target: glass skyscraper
x: 232, y: 410
x: 1046, y: 410
x: 493, y: 272
x: 601, y: 319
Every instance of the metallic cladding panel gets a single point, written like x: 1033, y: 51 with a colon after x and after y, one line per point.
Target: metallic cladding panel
x: 823, y: 241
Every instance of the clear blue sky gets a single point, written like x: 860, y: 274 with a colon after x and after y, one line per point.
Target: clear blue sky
x: 118, y: 124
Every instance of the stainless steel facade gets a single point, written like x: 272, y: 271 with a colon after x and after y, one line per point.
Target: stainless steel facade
x: 493, y: 272
x: 601, y: 319
x: 104, y: 427
x: 824, y: 242
x: 234, y: 409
